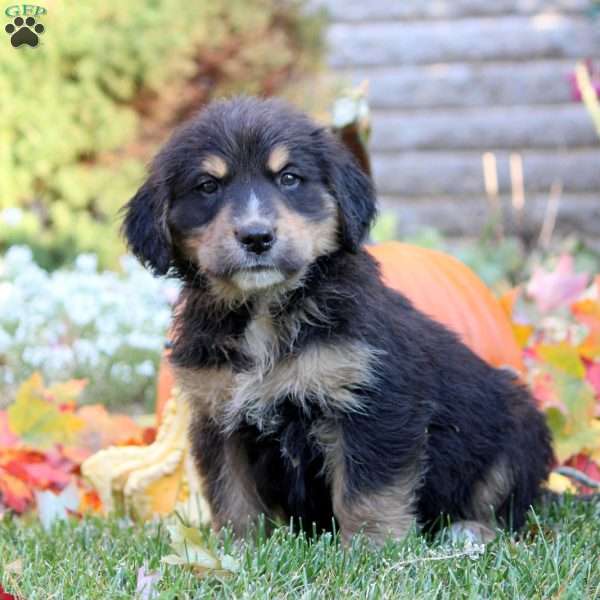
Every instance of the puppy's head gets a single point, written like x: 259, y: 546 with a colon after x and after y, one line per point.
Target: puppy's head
x: 249, y: 193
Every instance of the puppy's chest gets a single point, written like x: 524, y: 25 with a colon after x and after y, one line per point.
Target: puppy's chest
x: 320, y: 376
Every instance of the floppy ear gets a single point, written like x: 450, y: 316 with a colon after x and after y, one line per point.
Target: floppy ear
x: 145, y: 227
x: 355, y: 195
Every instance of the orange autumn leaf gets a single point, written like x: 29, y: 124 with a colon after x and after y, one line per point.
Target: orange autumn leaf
x: 508, y: 301
x: 90, y: 502
x: 587, y: 312
x: 102, y: 429
x: 45, y: 437
x: 24, y: 470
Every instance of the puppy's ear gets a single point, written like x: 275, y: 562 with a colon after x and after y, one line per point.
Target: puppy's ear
x: 145, y: 226
x: 355, y: 195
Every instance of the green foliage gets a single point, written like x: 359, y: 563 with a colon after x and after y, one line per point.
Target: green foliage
x: 80, y: 112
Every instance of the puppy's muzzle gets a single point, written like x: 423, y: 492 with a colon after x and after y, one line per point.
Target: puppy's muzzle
x: 256, y: 238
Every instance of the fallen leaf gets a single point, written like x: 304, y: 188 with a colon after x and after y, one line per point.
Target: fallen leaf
x: 592, y: 376
x: 563, y: 357
x: 560, y: 484
x: 587, y: 312
x: 8, y: 438
x: 192, y: 550
x: 4, y: 595
x: 588, y: 467
x: 571, y: 444
x: 90, y: 502
x: 66, y: 393
x: 544, y: 390
x: 102, y: 429
x: 557, y: 288
x: 14, y: 492
x: 15, y: 567
x: 38, y: 421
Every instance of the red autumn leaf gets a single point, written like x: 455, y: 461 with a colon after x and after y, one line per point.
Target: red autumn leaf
x: 44, y: 438
x: 149, y: 435
x: 44, y: 476
x: 14, y: 492
x: 24, y: 469
x: 586, y: 465
x: 4, y: 595
x: 593, y: 378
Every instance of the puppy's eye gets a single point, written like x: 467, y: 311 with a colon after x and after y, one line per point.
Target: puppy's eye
x: 210, y: 186
x: 289, y: 180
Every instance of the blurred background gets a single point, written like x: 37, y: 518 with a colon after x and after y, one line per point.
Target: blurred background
x: 484, y: 141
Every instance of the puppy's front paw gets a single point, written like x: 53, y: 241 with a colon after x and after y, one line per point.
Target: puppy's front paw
x: 470, y: 532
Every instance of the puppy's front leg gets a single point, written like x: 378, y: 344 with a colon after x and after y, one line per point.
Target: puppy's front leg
x: 229, y: 486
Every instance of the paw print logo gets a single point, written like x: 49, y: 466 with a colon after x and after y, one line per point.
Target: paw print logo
x: 24, y: 32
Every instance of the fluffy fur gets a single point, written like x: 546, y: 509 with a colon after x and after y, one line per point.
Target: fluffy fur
x: 318, y: 393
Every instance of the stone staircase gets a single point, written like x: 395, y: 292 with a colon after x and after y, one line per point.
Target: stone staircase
x: 450, y: 80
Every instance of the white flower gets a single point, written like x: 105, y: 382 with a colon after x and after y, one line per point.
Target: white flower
x: 78, y: 322
x: 5, y: 341
x: 145, y: 369
x: 122, y: 372
x: 12, y: 216
x: 86, y: 263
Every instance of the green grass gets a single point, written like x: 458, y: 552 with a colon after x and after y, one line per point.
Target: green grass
x: 558, y: 557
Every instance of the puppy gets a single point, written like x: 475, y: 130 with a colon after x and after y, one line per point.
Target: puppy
x: 318, y: 393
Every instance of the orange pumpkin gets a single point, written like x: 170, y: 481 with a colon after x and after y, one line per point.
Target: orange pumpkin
x: 164, y: 385
x: 449, y: 292
x: 442, y: 287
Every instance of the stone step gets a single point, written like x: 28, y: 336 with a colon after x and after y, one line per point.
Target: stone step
x: 578, y: 214
x: 483, y: 128
x: 375, y: 10
x: 482, y: 39
x: 481, y: 84
x: 434, y: 174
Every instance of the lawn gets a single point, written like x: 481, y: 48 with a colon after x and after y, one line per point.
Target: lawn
x: 557, y: 557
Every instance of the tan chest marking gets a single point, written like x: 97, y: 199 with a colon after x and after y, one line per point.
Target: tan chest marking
x: 325, y: 374
x: 208, y: 390
x: 322, y: 375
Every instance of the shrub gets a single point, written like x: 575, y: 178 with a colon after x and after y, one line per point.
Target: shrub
x: 82, y: 112
x: 106, y: 327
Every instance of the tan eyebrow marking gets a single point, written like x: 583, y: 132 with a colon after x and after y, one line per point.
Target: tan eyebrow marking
x: 278, y: 158
x: 214, y: 165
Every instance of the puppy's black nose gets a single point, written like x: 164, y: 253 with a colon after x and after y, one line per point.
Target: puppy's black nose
x: 256, y: 237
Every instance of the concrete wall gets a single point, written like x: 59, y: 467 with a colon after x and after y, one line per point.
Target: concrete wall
x: 452, y: 79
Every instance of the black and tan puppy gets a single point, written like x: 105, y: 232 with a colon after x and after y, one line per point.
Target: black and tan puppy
x: 317, y: 392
